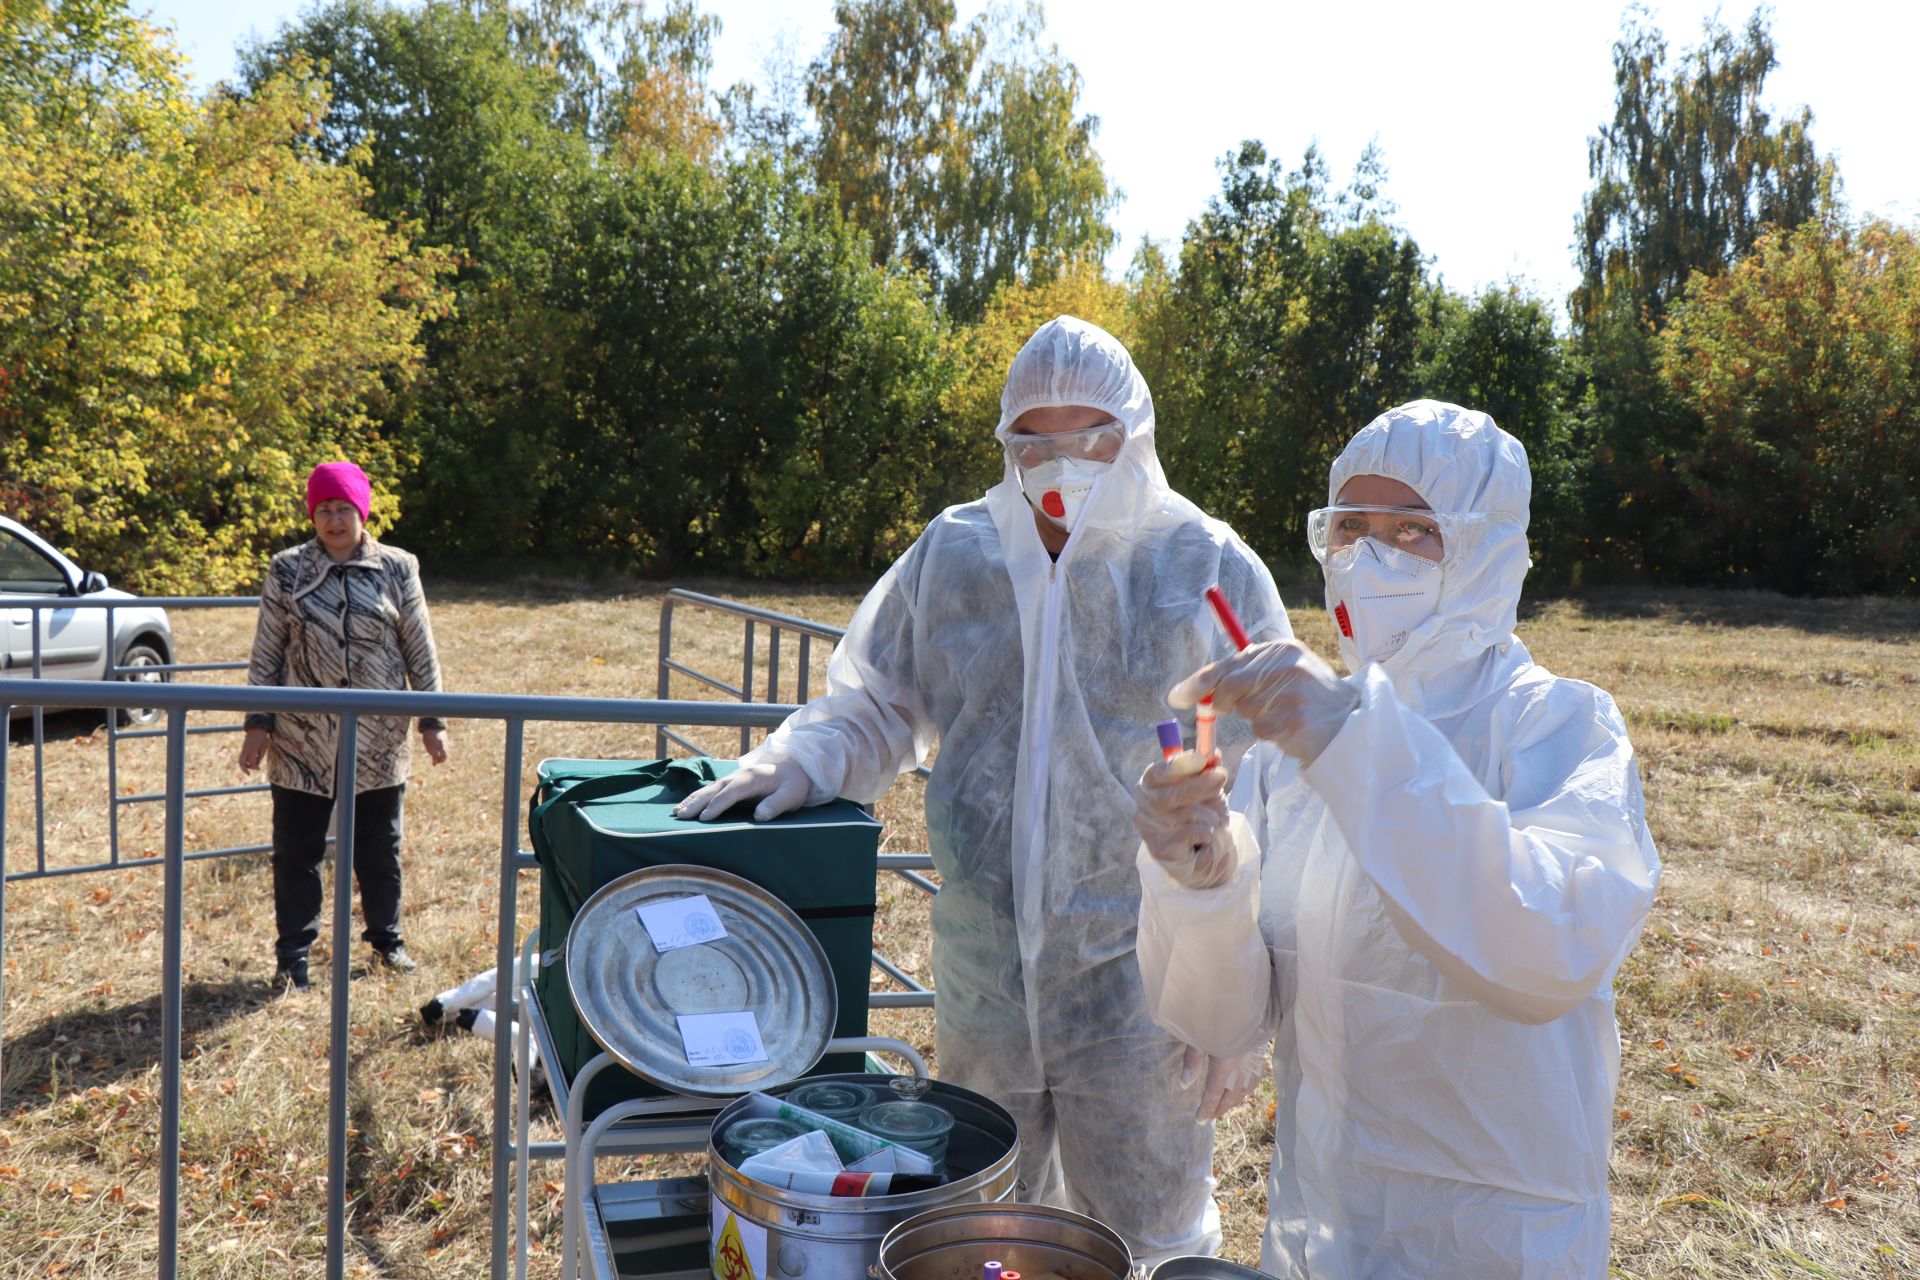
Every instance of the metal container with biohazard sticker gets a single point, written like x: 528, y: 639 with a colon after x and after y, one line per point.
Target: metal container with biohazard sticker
x: 762, y: 1232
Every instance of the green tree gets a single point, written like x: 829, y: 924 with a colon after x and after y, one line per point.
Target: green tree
x: 1031, y: 197
x: 1801, y: 369
x: 453, y: 129
x: 960, y: 150
x: 664, y: 102
x: 1689, y: 173
x: 193, y: 310
x: 496, y: 127
x: 1498, y: 353
x: 469, y: 122
x: 748, y: 390
x: 1691, y: 170
x: 1293, y: 319
x: 980, y: 354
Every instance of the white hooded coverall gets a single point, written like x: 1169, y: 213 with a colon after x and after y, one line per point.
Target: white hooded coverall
x: 1431, y: 921
x: 1042, y: 681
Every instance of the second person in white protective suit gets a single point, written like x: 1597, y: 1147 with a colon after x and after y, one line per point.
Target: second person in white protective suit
x: 1033, y: 633
x: 1425, y: 880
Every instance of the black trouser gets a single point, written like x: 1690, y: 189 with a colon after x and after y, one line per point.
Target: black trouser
x: 299, y: 845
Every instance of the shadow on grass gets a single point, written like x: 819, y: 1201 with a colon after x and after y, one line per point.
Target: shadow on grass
x: 1876, y: 618
x: 98, y: 1047
x: 71, y: 725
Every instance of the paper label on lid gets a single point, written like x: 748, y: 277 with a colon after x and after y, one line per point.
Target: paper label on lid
x: 681, y: 922
x: 722, y: 1039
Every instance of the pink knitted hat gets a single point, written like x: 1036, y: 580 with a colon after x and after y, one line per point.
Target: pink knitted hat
x: 342, y: 480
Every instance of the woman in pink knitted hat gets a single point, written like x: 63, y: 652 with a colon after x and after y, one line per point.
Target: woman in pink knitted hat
x: 340, y: 611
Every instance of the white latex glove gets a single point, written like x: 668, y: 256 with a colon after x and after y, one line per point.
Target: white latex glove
x: 1180, y: 807
x: 1228, y: 1081
x: 1292, y: 698
x: 779, y: 786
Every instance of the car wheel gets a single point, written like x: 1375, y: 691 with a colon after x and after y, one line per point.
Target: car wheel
x: 136, y: 664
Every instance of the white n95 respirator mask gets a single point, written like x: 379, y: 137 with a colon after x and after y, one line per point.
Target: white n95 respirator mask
x: 1377, y: 595
x: 1059, y: 487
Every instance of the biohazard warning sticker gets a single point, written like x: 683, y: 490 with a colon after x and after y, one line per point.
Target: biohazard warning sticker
x: 739, y: 1246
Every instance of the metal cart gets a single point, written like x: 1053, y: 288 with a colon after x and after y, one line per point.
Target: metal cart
x: 651, y: 1229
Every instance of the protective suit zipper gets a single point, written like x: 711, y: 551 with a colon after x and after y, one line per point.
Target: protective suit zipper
x: 1030, y: 885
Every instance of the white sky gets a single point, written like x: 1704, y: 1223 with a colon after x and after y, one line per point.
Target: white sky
x: 1483, y: 108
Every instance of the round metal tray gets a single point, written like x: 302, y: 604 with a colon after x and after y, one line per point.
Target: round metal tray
x: 1195, y: 1267
x: 628, y: 995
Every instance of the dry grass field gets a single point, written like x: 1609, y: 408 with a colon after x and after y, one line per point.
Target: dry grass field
x: 1770, y: 1083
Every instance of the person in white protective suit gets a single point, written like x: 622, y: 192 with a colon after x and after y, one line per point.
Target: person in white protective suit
x: 1424, y: 881
x: 1034, y: 634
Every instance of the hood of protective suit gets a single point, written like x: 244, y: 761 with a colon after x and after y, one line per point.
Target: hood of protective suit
x: 1458, y: 461
x: 1069, y: 361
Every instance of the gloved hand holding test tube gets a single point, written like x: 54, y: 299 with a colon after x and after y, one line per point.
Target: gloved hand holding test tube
x: 1177, y: 812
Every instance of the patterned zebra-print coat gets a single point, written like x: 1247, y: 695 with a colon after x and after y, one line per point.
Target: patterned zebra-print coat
x: 359, y: 623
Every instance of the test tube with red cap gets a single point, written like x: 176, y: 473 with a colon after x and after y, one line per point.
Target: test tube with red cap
x: 1229, y: 621
x: 1203, y: 717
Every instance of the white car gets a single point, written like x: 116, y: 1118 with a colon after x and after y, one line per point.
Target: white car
x: 73, y: 642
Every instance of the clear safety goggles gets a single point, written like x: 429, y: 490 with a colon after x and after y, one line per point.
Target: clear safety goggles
x: 1089, y: 444
x: 1415, y: 530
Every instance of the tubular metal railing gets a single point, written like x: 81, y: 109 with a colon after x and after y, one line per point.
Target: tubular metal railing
x: 905, y: 865
x: 36, y: 607
x: 349, y: 704
x: 753, y: 617
x: 115, y: 694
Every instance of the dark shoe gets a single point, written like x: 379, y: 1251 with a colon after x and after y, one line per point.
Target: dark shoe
x: 292, y: 973
x: 395, y: 958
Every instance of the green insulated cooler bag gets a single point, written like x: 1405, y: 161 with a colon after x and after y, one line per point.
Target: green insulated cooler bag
x: 593, y: 821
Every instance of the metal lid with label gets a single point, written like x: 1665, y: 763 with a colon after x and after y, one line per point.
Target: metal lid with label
x: 631, y: 996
